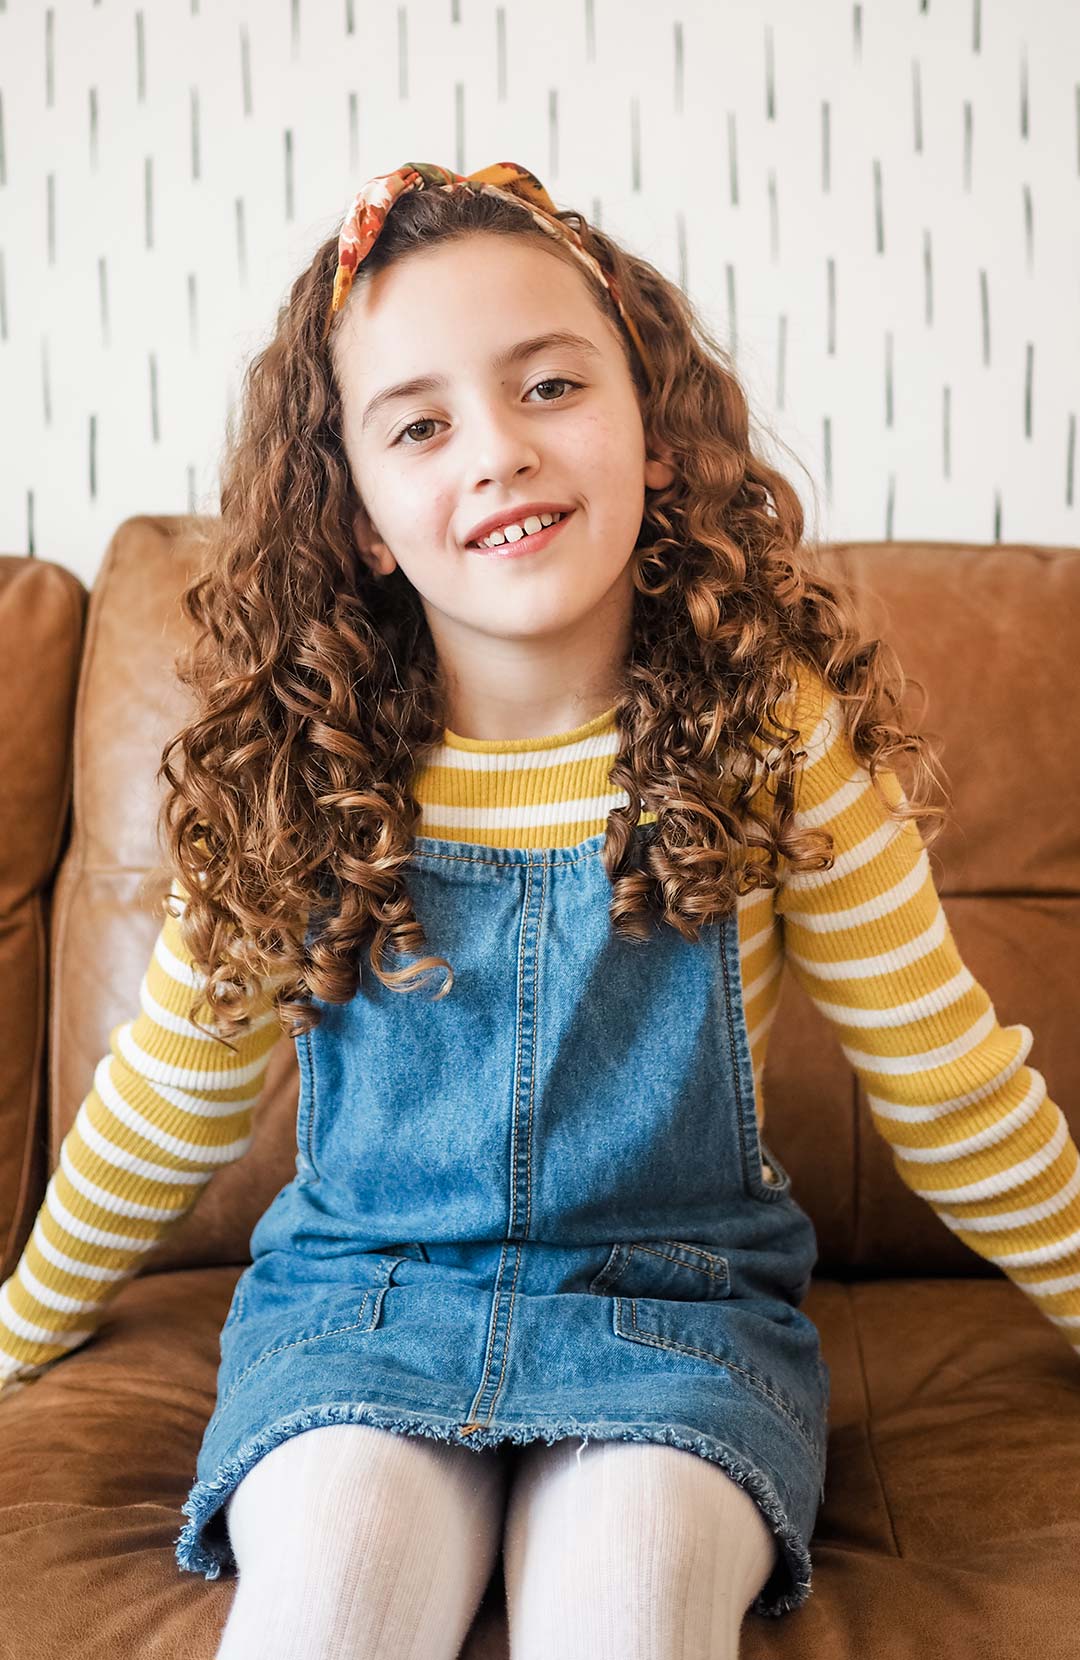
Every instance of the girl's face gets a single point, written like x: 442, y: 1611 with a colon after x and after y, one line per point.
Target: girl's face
x: 504, y: 427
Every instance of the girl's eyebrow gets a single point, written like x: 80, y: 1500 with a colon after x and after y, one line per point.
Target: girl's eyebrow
x: 502, y: 360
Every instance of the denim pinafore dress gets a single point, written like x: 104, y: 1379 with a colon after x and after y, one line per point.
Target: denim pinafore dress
x: 535, y: 1207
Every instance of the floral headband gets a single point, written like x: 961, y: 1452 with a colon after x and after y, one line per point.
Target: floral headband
x: 364, y: 221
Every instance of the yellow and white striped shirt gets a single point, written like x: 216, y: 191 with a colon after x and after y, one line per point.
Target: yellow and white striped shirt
x: 972, y: 1128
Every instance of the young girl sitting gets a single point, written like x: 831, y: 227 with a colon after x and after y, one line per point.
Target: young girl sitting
x: 526, y: 750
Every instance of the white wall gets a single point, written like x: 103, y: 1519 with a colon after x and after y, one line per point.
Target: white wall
x: 877, y: 208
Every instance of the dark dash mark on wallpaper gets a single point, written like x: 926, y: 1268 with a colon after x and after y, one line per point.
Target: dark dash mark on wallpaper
x: 193, y: 310
x: 354, y: 131
x: 890, y: 507
x: 984, y: 312
x: 916, y: 104
x: 879, y: 212
x: 590, y: 31
x: 140, y: 58
x: 928, y: 280
x: 976, y: 26
x: 856, y: 29
x: 31, y: 549
x: 827, y: 449
x: 155, y: 418
x: 192, y: 505
x: 966, y: 170
x: 770, y: 76
x: 350, y: 17
x: 103, y: 298
x: 294, y: 28
x: 1024, y: 107
x: 635, y: 143
x: 245, y: 67
x: 1029, y: 228
x: 240, y: 220
x: 196, y: 140
x: 552, y: 133
x: 94, y: 129
x: 997, y: 515
x: 680, y: 69
x: 774, y: 217
x: 826, y: 147
x: 50, y: 82
x: 733, y: 161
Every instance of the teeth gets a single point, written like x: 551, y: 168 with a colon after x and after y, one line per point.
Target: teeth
x: 515, y: 532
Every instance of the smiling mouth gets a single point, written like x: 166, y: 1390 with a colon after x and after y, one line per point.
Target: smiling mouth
x: 532, y: 542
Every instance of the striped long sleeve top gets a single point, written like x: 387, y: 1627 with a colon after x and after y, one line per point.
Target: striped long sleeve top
x: 971, y: 1126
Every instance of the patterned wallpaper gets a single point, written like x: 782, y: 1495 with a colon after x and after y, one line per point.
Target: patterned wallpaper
x: 876, y: 208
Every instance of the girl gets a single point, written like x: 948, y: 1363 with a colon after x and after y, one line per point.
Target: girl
x: 526, y: 751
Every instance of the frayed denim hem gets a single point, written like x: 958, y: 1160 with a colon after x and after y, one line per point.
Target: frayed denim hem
x: 209, y: 1557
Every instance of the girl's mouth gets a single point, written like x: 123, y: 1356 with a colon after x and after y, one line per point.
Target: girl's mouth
x: 527, y: 544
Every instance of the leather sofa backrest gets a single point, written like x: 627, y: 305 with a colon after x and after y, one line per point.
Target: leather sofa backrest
x: 989, y: 631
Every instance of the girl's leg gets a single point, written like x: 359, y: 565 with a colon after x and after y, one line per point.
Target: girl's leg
x: 351, y: 1540
x: 628, y: 1550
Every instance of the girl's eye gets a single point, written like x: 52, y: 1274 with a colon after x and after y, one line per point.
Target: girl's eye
x: 427, y: 420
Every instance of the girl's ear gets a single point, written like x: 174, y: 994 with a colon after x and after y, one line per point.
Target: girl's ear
x: 659, y: 467
x: 375, y: 553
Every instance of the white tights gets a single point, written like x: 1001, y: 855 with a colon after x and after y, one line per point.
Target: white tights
x: 355, y: 1543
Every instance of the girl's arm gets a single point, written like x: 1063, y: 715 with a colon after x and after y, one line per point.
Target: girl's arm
x: 972, y: 1128
x: 168, y: 1107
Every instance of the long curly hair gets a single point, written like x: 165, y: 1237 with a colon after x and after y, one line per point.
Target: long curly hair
x: 288, y: 811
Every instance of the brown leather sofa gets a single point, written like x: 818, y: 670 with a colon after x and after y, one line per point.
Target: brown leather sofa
x: 951, y: 1520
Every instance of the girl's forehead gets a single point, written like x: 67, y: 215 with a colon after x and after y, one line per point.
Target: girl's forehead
x: 481, y: 290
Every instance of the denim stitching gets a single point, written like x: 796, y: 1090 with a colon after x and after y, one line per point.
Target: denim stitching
x: 477, y: 859
x: 293, y: 1343
x: 311, y: 1099
x: 723, y: 1276
x: 509, y: 1324
x: 482, y: 1385
x: 640, y: 1335
x: 535, y: 1049
x: 753, y: 1186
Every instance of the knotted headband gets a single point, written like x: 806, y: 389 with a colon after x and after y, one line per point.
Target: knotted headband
x: 362, y: 225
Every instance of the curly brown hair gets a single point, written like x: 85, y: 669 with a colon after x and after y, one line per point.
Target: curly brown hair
x: 289, y: 811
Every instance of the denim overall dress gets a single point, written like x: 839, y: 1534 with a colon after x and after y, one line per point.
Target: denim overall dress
x: 535, y: 1207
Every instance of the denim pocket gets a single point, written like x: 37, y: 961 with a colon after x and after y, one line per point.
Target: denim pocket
x: 282, y: 1318
x: 669, y: 1268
